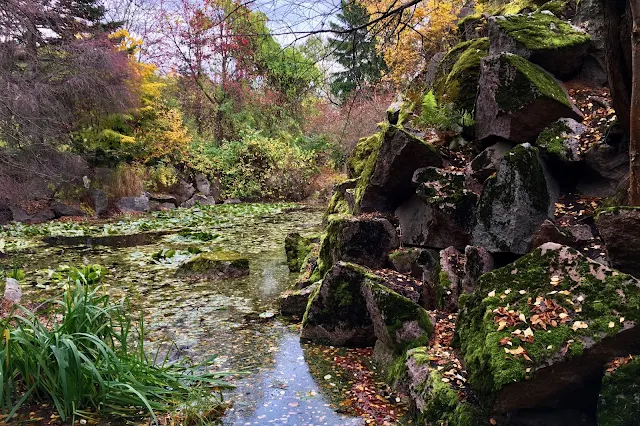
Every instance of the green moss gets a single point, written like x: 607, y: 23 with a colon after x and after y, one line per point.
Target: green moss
x: 557, y: 7
x: 397, y: 310
x: 459, y: 72
x: 443, y: 405
x: 297, y: 248
x: 619, y: 403
x: 615, y: 210
x: 396, y: 373
x: 604, y: 296
x: 552, y: 139
x: 541, y: 31
x: 526, y: 84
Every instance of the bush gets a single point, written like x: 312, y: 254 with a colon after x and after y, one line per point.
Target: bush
x: 443, y: 117
x: 259, y: 167
x: 91, y: 360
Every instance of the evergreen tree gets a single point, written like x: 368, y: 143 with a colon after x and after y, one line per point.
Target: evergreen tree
x: 354, y: 48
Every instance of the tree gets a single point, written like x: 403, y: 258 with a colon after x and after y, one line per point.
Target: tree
x: 354, y: 48
x: 634, y: 116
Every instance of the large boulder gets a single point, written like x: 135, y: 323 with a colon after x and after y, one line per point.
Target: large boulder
x: 100, y: 201
x: 365, y: 241
x: 458, y: 74
x: 541, y: 38
x: 183, y: 191
x: 517, y: 99
x: 543, y: 327
x: 384, y: 164
x: 610, y: 162
x: 202, y: 184
x: 619, y: 401
x: 199, y: 199
x: 514, y: 203
x: 353, y: 307
x: 343, y: 199
x: 620, y: 229
x: 441, y: 213
x: 590, y: 16
x: 215, y: 265
x: 133, y: 204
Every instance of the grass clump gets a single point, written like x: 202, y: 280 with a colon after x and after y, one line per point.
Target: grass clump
x: 87, y: 358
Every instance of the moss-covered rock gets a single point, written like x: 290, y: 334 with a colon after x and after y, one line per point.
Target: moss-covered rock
x: 458, y: 74
x: 297, y: 248
x: 518, y: 99
x: 441, y: 214
x: 544, y: 325
x: 435, y: 399
x: 354, y: 307
x: 384, y: 164
x: 362, y: 240
x: 343, y: 199
x: 619, y: 403
x: 542, y: 38
x: 514, y: 203
x: 561, y: 140
x: 405, y: 261
x: 215, y: 265
x: 295, y: 301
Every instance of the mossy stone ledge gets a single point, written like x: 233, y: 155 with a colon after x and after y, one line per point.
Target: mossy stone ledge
x: 297, y: 247
x: 517, y: 100
x: 543, y: 326
x: 543, y: 39
x: 214, y: 266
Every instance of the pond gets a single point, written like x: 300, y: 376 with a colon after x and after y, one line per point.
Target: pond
x: 232, y: 318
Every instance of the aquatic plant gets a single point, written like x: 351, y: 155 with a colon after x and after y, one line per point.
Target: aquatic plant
x: 87, y: 357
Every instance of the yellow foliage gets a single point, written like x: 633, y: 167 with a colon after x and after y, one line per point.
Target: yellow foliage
x: 406, y: 42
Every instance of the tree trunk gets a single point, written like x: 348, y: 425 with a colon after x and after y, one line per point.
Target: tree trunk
x: 618, y: 63
x: 634, y: 116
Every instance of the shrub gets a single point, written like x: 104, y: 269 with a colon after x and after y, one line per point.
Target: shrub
x: 91, y: 359
x: 127, y: 181
x: 443, y: 117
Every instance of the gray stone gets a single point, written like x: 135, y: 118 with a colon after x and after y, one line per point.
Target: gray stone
x: 183, y: 191
x: 451, y: 274
x: 215, y: 266
x: 486, y: 163
x: 477, y: 261
x: 133, y: 204
x: 514, y: 203
x: 517, y: 100
x: 199, y: 199
x: 612, y: 163
x: 202, y: 184
x: 12, y: 291
x: 99, y: 200
x: 561, y: 140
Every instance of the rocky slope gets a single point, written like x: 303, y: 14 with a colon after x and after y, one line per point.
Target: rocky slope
x: 534, y: 189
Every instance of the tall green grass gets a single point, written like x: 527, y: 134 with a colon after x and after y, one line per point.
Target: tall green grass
x: 88, y: 358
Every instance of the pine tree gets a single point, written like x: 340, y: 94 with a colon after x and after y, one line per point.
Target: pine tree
x: 354, y: 49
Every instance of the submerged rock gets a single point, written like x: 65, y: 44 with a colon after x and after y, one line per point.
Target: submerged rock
x: 620, y: 230
x: 619, y: 402
x: 215, y: 265
x: 541, y: 38
x: 384, y: 164
x: 543, y: 326
x: 518, y: 99
x: 513, y: 203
